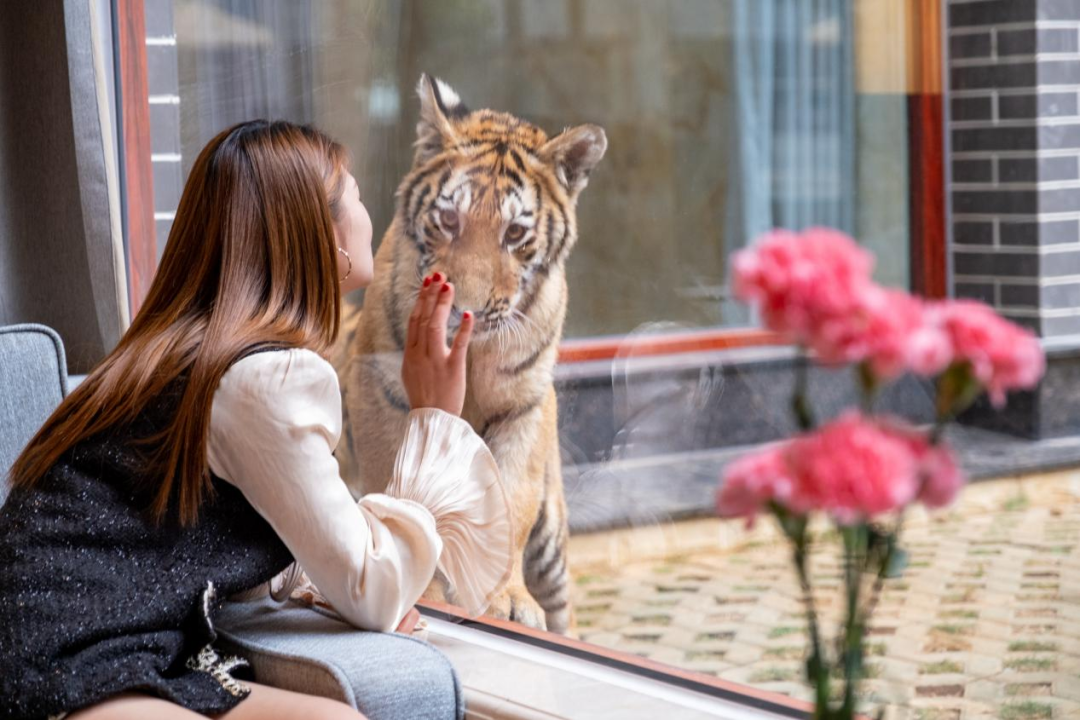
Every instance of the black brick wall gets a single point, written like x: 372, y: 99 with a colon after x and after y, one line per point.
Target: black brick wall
x: 1014, y: 126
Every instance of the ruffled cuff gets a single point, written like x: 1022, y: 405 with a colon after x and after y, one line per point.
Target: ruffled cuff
x: 446, y: 467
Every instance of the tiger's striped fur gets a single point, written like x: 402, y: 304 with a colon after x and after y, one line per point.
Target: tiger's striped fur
x: 493, y: 171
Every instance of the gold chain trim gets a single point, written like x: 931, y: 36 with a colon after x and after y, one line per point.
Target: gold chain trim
x: 208, y: 661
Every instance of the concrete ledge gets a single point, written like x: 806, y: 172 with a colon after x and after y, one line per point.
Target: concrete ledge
x: 645, y: 440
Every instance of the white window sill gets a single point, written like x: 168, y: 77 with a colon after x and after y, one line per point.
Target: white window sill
x: 509, y: 679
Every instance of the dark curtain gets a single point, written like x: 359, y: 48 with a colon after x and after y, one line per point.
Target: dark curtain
x: 60, y: 254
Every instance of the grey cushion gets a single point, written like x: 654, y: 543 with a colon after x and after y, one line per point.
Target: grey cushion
x: 33, y: 381
x: 385, y: 676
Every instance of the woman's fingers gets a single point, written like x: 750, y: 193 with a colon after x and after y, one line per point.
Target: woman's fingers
x: 428, y: 297
x: 436, y: 328
x: 436, y: 378
x: 413, y: 334
x: 461, y: 342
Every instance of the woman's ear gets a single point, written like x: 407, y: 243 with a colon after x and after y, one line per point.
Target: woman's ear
x: 574, y: 153
x: 439, y: 105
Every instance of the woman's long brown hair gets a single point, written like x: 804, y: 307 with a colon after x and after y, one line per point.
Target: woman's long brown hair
x: 251, y: 258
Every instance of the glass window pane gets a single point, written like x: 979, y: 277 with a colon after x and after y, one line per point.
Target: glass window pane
x: 724, y: 119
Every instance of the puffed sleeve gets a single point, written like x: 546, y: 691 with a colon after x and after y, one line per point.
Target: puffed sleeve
x: 444, y: 466
x: 275, y: 421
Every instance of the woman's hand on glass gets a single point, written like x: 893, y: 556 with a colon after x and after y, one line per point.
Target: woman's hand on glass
x: 434, y: 374
x: 408, y: 623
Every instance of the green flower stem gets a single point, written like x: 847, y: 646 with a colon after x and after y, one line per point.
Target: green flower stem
x: 856, y: 538
x: 794, y: 528
x: 868, y: 387
x: 800, y: 401
x: 957, y: 389
x: 881, y: 571
x: 816, y: 670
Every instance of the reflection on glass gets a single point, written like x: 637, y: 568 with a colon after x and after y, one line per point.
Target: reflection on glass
x: 724, y: 118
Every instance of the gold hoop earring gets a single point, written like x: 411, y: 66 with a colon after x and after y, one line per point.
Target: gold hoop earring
x: 349, y: 271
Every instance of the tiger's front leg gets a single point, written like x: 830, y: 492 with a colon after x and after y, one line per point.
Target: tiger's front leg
x: 516, y: 604
x: 513, y: 603
x: 518, y: 442
x: 546, y: 562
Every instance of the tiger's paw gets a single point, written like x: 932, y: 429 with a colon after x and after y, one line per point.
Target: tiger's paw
x: 517, y: 605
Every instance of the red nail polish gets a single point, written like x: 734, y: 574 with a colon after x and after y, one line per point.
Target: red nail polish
x: 427, y: 281
x: 445, y: 288
x: 438, y: 277
x: 468, y: 315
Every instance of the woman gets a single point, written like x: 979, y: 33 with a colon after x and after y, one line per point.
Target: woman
x: 194, y: 463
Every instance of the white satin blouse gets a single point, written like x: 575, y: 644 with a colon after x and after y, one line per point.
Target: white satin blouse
x: 275, y: 421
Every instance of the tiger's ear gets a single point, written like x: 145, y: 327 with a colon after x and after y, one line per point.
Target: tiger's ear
x: 574, y: 153
x: 439, y: 106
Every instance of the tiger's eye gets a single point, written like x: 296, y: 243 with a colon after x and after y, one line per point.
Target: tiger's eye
x: 448, y: 219
x: 514, y: 233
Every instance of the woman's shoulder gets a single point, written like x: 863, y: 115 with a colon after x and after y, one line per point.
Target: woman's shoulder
x: 273, y: 399
x: 279, y: 373
x: 281, y: 359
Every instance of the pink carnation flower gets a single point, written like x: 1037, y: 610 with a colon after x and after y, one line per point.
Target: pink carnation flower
x: 752, y: 481
x: 801, y: 281
x: 852, y: 468
x: 891, y: 330
x: 929, y: 350
x: 902, y: 336
x: 941, y: 476
x: 816, y: 288
x: 1003, y: 356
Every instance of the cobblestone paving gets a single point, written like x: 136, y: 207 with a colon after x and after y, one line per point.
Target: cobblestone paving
x: 985, y: 622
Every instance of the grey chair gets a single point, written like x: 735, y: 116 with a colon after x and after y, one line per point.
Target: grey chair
x: 386, y: 677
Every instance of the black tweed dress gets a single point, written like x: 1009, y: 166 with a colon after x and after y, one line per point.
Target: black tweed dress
x: 95, y: 600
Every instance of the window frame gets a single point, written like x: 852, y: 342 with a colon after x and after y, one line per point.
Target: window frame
x: 133, y: 148
x: 928, y: 214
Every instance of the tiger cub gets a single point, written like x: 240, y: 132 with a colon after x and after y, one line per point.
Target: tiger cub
x: 490, y: 203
